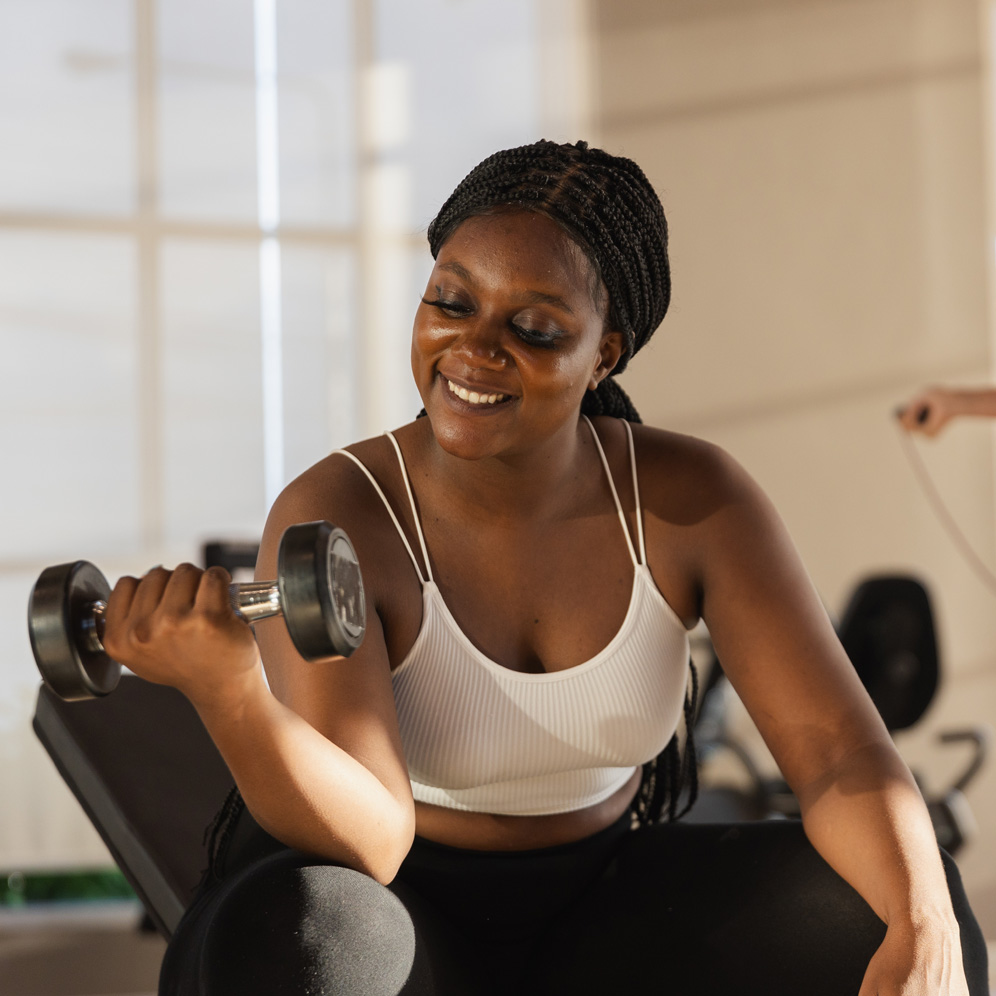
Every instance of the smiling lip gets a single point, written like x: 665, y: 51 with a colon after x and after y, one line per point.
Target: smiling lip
x: 479, y: 397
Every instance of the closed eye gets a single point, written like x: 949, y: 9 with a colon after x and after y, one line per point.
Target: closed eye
x: 448, y: 307
x: 545, y: 340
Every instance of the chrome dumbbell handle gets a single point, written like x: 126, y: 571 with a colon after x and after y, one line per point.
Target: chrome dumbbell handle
x: 255, y: 599
x: 252, y: 600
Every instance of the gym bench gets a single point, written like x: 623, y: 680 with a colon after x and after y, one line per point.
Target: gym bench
x: 150, y: 779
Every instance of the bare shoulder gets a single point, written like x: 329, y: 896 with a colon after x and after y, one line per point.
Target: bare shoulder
x: 686, y: 480
x: 338, y: 490
x: 336, y: 486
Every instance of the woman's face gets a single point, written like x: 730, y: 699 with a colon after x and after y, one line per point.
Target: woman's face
x: 510, y: 334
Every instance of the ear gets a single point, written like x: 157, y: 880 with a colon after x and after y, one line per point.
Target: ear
x: 610, y: 351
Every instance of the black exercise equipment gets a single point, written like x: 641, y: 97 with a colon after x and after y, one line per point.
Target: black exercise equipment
x: 236, y: 556
x: 150, y: 779
x: 887, y: 630
x: 319, y: 592
x: 888, y: 633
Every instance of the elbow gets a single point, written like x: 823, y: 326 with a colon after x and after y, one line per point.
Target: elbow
x: 383, y: 862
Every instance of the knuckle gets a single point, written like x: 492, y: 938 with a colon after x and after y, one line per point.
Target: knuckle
x: 204, y: 624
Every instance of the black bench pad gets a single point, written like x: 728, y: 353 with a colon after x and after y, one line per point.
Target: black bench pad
x: 149, y: 777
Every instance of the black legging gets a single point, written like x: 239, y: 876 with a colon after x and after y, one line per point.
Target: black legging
x: 686, y: 909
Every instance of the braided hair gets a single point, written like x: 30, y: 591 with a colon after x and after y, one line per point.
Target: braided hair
x: 608, y: 207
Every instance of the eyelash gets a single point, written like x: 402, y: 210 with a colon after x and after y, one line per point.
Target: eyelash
x: 544, y: 340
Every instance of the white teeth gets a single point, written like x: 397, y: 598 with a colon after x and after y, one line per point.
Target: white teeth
x: 473, y: 397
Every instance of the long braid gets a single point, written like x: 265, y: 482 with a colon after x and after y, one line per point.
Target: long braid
x: 609, y: 208
x: 219, y: 831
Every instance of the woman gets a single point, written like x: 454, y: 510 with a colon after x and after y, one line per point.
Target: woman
x: 465, y: 805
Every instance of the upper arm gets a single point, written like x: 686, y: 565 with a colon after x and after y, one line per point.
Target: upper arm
x: 769, y: 628
x: 348, y: 700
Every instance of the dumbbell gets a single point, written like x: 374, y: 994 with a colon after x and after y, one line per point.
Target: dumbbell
x: 318, y: 591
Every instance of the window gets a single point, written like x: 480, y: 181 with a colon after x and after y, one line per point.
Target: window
x: 211, y: 244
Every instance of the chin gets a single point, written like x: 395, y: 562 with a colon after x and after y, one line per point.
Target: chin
x: 467, y: 439
x: 463, y: 445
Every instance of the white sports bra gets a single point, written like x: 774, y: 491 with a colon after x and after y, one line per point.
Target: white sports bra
x: 481, y: 737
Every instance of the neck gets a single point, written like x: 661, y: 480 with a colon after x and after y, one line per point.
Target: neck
x: 539, y: 484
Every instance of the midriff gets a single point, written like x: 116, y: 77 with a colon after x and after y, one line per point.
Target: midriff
x: 494, y: 832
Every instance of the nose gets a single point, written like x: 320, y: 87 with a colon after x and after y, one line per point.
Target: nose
x: 480, y: 344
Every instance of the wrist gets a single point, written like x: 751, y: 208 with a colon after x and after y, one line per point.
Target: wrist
x: 231, y: 696
x: 923, y: 920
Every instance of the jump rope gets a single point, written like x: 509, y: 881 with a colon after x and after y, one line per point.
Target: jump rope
x: 947, y: 520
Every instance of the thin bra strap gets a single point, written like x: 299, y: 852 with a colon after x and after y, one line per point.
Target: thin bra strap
x: 615, y: 494
x: 390, y: 511
x: 411, y: 499
x: 636, y: 492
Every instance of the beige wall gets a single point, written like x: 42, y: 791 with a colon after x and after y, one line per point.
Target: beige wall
x: 825, y: 171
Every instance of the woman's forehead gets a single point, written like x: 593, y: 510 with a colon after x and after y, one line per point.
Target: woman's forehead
x: 517, y: 245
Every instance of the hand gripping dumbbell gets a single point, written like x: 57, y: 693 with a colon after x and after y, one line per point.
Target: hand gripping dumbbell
x: 318, y: 591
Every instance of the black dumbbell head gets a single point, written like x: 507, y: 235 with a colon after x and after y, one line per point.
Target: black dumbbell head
x: 321, y: 590
x: 59, y: 611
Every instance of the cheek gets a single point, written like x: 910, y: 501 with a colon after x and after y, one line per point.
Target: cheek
x: 565, y: 378
x: 428, y: 338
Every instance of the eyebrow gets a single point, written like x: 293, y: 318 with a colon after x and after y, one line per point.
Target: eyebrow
x: 531, y: 297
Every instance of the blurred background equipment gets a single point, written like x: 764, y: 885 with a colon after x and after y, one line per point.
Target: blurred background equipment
x: 888, y: 632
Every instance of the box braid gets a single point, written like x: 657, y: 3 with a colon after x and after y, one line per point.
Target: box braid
x: 609, y: 208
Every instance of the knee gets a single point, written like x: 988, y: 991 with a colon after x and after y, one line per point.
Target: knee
x: 291, y: 927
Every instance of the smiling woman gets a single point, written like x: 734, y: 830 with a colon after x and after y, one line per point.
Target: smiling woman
x: 484, y: 798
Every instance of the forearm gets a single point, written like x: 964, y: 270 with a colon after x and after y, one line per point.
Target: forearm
x: 977, y: 401
x: 868, y: 820
x: 302, y: 788
x: 931, y: 410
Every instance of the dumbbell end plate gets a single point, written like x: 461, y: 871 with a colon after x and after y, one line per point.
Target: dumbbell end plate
x: 57, y: 609
x: 321, y: 591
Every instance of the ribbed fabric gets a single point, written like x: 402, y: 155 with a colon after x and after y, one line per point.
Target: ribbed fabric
x: 478, y: 736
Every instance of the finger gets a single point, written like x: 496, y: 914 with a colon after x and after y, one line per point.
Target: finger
x: 214, y: 592
x: 148, y: 594
x: 919, y: 416
x: 120, y: 599
x: 181, y: 590
x: 936, y: 419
